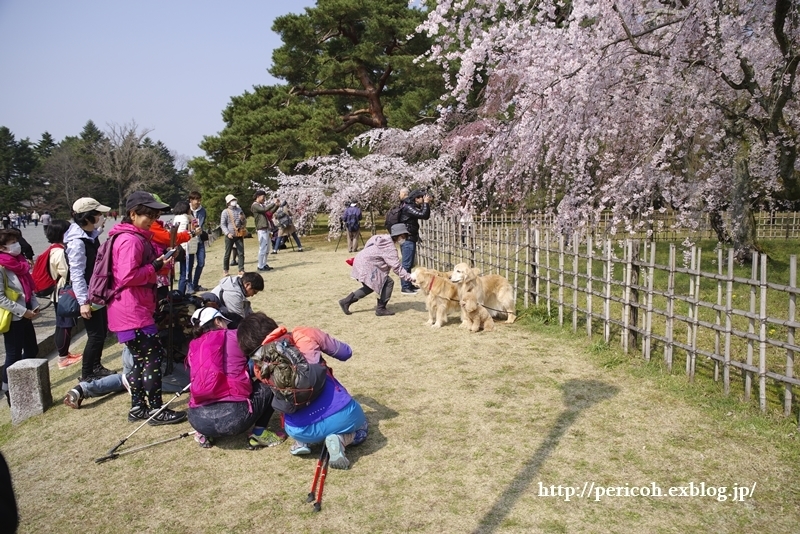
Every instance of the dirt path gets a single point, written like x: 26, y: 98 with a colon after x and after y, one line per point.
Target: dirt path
x: 465, y: 431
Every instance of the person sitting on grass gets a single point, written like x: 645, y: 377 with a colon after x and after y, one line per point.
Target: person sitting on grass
x: 333, y: 416
x: 223, y: 400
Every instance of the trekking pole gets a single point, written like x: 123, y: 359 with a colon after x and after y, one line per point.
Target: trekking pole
x: 337, y: 243
x: 123, y: 453
x: 110, y: 454
x: 320, y: 472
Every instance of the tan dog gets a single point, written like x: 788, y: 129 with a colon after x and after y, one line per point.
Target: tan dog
x: 441, y: 295
x: 492, y: 291
x: 473, y: 314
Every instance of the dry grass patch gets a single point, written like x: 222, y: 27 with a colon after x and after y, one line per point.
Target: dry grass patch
x: 464, y: 427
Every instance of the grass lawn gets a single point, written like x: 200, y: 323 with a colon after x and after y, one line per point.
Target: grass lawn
x: 466, y: 431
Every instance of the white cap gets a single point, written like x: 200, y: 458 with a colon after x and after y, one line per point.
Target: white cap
x: 203, y: 316
x: 87, y: 204
x: 229, y: 198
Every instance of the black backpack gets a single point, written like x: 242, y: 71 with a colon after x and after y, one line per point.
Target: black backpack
x: 294, y: 382
x: 393, y: 216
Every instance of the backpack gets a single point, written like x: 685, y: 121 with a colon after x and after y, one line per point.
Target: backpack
x: 101, y: 284
x: 351, y: 222
x: 43, y: 283
x: 294, y: 382
x: 393, y: 216
x: 284, y: 221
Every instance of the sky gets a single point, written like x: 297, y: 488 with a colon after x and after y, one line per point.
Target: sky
x: 170, y: 66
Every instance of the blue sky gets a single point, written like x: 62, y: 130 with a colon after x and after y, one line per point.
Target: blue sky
x: 170, y: 65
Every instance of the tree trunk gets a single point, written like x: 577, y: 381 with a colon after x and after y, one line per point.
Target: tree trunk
x: 718, y: 225
x: 743, y: 221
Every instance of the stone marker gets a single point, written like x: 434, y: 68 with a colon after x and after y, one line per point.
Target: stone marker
x: 29, y: 388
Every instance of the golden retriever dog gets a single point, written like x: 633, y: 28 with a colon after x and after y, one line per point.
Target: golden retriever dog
x: 476, y: 317
x: 492, y: 291
x: 441, y: 295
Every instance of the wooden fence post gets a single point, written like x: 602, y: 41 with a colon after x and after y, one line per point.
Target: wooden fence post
x: 626, y: 296
x: 751, y: 326
x: 762, y: 338
x: 538, y: 267
x: 609, y: 272
x: 648, y: 328
x: 561, y: 280
x: 787, y: 388
x: 575, y: 254
x: 670, y: 308
x: 634, y: 294
x: 726, y: 368
x: 718, y: 316
x: 589, y: 312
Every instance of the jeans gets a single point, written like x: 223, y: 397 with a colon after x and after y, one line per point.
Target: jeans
x: 201, y: 262
x: 102, y: 386
x: 263, y: 248
x: 409, y: 251
x: 182, y: 276
x: 226, y: 258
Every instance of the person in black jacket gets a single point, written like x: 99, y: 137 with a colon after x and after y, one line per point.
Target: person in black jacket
x: 415, y: 207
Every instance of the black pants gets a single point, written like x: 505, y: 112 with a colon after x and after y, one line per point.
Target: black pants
x: 20, y: 342
x: 231, y: 418
x: 145, y: 377
x: 385, y: 294
x: 96, y: 331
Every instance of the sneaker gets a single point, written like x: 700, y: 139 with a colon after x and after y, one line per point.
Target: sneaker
x: 300, y: 449
x: 199, y: 289
x: 166, y: 417
x: 299, y: 249
x: 100, y: 372
x: 409, y: 291
x: 125, y: 383
x: 266, y: 438
x: 138, y: 413
x: 204, y: 441
x: 274, y: 252
x: 336, y: 451
x: 74, y: 398
x: 69, y: 359
x: 265, y: 268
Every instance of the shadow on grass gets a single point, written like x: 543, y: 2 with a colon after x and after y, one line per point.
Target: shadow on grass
x: 579, y: 395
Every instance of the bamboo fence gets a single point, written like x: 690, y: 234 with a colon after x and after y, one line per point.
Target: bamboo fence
x: 736, y: 329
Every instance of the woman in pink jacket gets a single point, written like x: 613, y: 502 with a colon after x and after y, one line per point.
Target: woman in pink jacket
x: 224, y: 400
x: 130, y: 312
x: 371, y: 267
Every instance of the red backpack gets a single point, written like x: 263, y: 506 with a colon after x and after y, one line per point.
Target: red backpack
x: 43, y: 283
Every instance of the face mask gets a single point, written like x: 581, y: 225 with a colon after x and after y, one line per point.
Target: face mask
x: 234, y: 204
x: 15, y: 249
x: 101, y: 220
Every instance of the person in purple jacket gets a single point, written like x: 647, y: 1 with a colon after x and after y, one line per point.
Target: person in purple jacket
x: 130, y: 312
x: 371, y: 267
x: 334, y: 416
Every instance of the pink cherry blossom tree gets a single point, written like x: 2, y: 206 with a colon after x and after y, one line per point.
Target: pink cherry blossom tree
x: 633, y: 107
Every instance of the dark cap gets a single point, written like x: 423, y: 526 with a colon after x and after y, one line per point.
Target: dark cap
x: 416, y: 193
x: 144, y: 198
x: 259, y: 193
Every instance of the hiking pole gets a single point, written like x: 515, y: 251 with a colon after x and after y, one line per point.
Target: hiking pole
x: 110, y: 454
x: 123, y: 453
x: 337, y: 243
x: 320, y: 472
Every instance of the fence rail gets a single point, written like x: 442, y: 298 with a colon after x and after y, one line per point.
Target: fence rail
x: 700, y: 311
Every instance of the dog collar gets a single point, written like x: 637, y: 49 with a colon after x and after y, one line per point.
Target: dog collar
x: 430, y: 286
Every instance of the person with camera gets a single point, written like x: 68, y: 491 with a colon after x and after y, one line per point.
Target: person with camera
x: 199, y: 214
x: 233, y: 223
x: 286, y: 228
x: 416, y: 207
x: 260, y: 208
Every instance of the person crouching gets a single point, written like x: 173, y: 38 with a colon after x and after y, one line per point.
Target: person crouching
x: 223, y: 400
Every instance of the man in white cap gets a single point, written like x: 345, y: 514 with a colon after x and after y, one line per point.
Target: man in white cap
x: 233, y: 224
x: 352, y: 221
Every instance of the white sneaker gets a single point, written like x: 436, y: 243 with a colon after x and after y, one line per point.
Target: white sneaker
x: 125, y: 383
